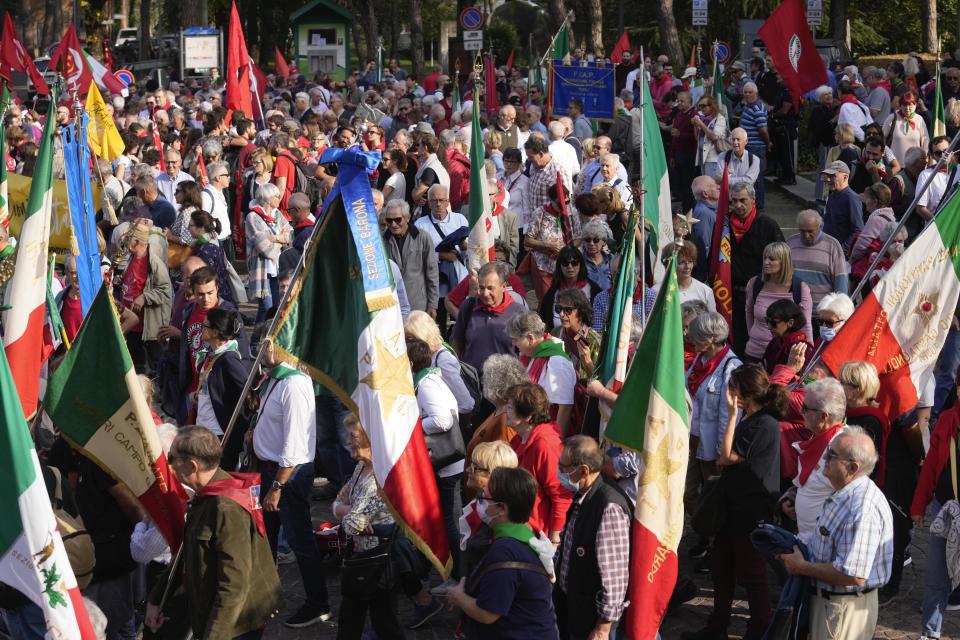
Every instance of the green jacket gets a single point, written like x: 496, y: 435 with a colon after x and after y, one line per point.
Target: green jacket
x: 231, y: 581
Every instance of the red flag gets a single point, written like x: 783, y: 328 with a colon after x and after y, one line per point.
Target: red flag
x: 239, y: 233
x: 280, y: 66
x: 791, y: 46
x: 623, y: 44
x: 158, y: 145
x: 107, y: 57
x: 14, y: 56
x: 202, y: 170
x: 490, y: 84
x: 721, y: 278
x: 258, y: 82
x: 69, y: 60
x: 510, y: 59
x: 238, y: 68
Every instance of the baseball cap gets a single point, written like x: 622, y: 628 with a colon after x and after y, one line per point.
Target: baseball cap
x: 689, y: 72
x: 837, y: 166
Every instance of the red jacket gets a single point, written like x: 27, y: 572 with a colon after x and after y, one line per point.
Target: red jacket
x: 540, y: 455
x: 938, y: 457
x: 792, y: 427
x: 459, y: 170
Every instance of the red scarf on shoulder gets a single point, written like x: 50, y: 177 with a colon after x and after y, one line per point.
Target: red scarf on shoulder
x: 263, y: 214
x: 242, y: 488
x: 702, y: 368
x: 812, y: 450
x: 545, y: 350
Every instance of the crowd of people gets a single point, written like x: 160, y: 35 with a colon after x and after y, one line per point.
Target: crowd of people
x: 537, y: 507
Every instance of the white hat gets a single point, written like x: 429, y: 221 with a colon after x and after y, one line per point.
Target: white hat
x: 689, y: 72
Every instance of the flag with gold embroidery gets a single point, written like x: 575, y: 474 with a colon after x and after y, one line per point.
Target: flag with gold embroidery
x: 652, y: 418
x: 341, y: 323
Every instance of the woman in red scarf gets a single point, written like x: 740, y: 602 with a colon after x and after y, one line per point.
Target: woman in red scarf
x: 861, y: 385
x: 905, y: 128
x: 570, y: 272
x: 787, y: 323
x: 550, y: 229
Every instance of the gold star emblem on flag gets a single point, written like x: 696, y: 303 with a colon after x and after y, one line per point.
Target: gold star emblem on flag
x: 390, y: 375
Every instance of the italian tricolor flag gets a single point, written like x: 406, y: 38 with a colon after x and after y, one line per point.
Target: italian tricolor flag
x: 358, y: 351
x: 32, y: 557
x: 96, y: 400
x: 27, y: 290
x: 902, y: 325
x: 656, y: 182
x: 480, y: 242
x: 4, y: 187
x: 654, y: 392
x: 938, y: 126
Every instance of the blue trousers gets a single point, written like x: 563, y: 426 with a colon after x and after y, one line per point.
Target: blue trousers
x: 949, y: 361
x: 761, y: 152
x: 294, y: 515
x: 333, y: 454
x: 936, y: 584
x: 115, y: 599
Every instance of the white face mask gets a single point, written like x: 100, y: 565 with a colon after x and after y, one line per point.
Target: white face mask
x: 482, y: 511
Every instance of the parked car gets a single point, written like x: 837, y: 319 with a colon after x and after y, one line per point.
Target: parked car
x: 126, y: 35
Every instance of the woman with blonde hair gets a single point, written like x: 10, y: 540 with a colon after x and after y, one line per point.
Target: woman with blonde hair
x: 846, y: 149
x: 775, y: 282
x: 861, y: 384
x: 487, y: 456
x: 421, y: 326
x: 713, y: 134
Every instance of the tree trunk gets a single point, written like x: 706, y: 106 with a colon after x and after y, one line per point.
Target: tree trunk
x: 838, y: 19
x: 928, y: 18
x: 51, y: 24
x: 194, y: 13
x: 416, y: 39
x: 595, y: 31
x: 669, y: 38
x: 558, y: 11
x: 144, y: 32
x: 371, y: 29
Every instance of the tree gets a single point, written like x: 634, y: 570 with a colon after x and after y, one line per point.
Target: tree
x: 193, y: 13
x: 929, y: 21
x: 838, y: 19
x: 416, y: 38
x: 595, y: 29
x: 558, y: 12
x: 669, y: 38
x: 145, y: 30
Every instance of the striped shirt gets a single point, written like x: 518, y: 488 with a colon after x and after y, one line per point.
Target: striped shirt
x: 822, y: 266
x: 855, y: 534
x: 754, y: 118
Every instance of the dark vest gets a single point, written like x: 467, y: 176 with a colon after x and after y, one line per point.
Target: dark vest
x: 577, y: 609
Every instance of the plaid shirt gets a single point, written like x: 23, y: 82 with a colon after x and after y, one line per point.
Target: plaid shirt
x: 613, y: 558
x: 855, y: 534
x: 541, y: 180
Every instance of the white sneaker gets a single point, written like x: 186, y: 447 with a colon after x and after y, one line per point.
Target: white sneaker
x: 319, y: 482
x: 441, y: 589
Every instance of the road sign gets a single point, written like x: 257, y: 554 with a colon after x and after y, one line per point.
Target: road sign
x: 699, y: 13
x: 468, y: 36
x: 473, y: 45
x: 720, y: 52
x: 471, y: 19
x: 814, y: 13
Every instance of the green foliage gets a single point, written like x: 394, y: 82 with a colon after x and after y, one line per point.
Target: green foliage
x: 503, y: 39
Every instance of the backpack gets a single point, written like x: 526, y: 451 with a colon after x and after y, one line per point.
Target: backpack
x: 795, y: 288
x: 469, y: 375
x: 301, y: 184
x: 76, y: 540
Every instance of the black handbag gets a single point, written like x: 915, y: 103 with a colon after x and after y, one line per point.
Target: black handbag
x: 363, y: 573
x: 710, y: 514
x: 445, y: 447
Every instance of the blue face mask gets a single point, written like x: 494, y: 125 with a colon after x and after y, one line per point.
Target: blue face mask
x: 565, y: 480
x: 828, y: 333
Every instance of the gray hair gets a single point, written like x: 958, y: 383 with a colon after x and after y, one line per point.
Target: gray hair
x: 141, y: 170
x: 810, y: 213
x: 448, y: 136
x: 218, y: 167
x: 556, y: 130
x: 525, y: 323
x: 693, y: 308
x: 636, y: 328
x: 823, y: 90
x: 744, y: 186
x: 700, y: 184
x: 170, y: 152
x: 266, y: 192
x: 496, y: 266
x: 105, y: 167
x: 398, y: 204
x: 402, y: 137
x: 500, y: 372
x: 857, y: 446
x: 298, y: 200
x: 747, y: 85
x: 709, y: 326
x: 615, y: 157
x: 212, y: 148
x: 912, y: 155
x: 597, y: 228
x: 827, y: 395
x: 437, y: 187
x: 838, y: 303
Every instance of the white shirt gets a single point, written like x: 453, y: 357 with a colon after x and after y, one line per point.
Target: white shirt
x: 932, y: 196
x: 206, y: 416
x: 558, y: 379
x: 398, y: 183
x: 810, y: 499
x: 448, y: 225
x: 699, y: 291
x: 516, y: 185
x: 286, y: 431
x: 565, y: 155
x: 438, y: 413
x: 215, y: 203
x: 168, y: 186
x: 856, y: 115
x: 632, y: 79
x: 620, y: 184
x: 595, y: 177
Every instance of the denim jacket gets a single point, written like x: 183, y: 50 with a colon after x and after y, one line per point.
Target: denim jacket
x: 710, y: 408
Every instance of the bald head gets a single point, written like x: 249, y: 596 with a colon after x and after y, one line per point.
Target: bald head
x: 190, y: 265
x: 602, y: 145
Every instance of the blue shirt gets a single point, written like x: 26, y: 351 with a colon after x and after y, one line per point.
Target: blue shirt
x: 855, y: 534
x: 162, y: 212
x: 754, y: 118
x: 599, y: 273
x: 843, y: 216
x: 706, y: 214
x: 523, y: 599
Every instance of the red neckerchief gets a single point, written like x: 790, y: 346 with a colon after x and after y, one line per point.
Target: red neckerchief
x: 500, y: 308
x: 242, y: 488
x: 580, y: 284
x: 263, y: 214
x: 849, y: 99
x: 740, y: 227
x: 702, y: 368
x: 867, y: 410
x: 908, y: 120
x: 539, y: 364
x: 812, y: 450
x: 306, y: 222
x: 637, y: 292
x: 498, y: 200
x: 784, y: 343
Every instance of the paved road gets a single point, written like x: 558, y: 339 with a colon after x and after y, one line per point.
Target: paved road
x: 899, y: 619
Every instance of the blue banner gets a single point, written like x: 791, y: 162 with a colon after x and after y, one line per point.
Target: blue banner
x: 594, y: 84
x: 353, y: 185
x: 76, y: 158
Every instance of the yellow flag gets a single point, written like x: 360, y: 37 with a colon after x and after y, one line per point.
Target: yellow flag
x: 102, y: 134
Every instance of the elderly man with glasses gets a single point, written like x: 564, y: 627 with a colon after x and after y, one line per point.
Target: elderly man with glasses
x: 168, y: 181
x: 413, y: 251
x: 215, y: 202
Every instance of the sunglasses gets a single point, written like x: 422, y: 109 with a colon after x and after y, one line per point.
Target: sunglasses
x: 703, y: 105
x: 773, y: 322
x: 570, y: 263
x: 562, y: 310
x: 592, y: 239
x: 830, y: 324
x: 393, y: 220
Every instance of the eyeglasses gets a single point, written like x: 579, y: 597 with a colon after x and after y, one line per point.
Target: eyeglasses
x: 703, y: 105
x: 592, y: 240
x: 473, y: 466
x: 562, y: 310
x: 438, y: 200
x: 830, y: 324
x: 570, y: 263
x: 805, y: 409
x: 773, y: 322
x: 833, y: 455
x: 483, y: 498
x: 393, y: 220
